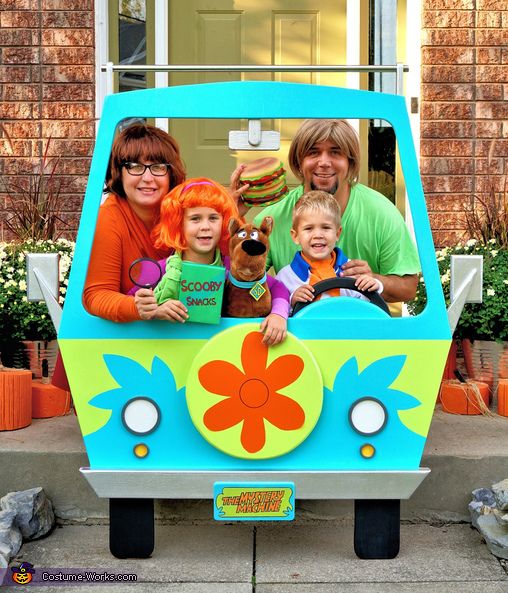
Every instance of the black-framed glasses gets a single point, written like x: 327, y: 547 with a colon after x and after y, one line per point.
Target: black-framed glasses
x: 138, y: 169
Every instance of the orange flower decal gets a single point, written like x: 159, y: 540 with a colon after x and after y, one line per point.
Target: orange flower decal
x: 252, y: 395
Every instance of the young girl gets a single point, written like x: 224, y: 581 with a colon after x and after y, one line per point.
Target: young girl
x: 194, y: 220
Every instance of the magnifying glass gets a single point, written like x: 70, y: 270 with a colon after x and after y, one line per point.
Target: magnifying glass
x: 145, y: 272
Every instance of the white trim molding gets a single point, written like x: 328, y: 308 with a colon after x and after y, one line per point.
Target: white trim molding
x: 101, y: 53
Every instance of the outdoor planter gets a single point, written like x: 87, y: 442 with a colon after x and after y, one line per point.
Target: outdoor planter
x: 15, y: 398
x: 49, y: 401
x: 502, y: 397
x: 451, y: 362
x: 470, y: 398
x: 485, y: 361
x: 39, y: 350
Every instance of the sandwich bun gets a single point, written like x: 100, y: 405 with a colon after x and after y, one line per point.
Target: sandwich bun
x: 266, y: 178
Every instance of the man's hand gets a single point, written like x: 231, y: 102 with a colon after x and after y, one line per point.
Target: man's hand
x: 303, y: 294
x: 275, y: 329
x: 355, y: 268
x: 236, y: 190
x: 396, y: 288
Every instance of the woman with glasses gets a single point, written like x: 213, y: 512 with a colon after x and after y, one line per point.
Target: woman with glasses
x: 145, y: 164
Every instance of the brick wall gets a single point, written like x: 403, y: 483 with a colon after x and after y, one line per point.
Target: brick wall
x: 464, y: 110
x: 47, y: 78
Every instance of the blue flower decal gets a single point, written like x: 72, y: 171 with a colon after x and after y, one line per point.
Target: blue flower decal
x: 390, y: 445
x: 142, y: 414
x: 134, y: 380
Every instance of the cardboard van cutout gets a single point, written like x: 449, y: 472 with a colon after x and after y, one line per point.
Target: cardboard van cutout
x: 340, y: 409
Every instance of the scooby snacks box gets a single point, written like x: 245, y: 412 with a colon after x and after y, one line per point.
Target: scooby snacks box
x: 201, y: 290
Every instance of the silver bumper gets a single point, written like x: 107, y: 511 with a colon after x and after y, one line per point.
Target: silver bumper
x: 308, y: 484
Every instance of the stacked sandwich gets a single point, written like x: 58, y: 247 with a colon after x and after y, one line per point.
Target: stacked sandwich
x: 266, y: 178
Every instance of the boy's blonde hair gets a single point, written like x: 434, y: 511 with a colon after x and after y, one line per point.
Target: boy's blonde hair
x: 316, y: 201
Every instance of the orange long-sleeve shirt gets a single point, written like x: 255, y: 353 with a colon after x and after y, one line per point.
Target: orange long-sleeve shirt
x: 120, y: 238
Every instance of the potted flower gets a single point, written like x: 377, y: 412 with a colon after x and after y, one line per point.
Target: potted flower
x: 35, y: 223
x: 483, y: 327
x: 21, y: 320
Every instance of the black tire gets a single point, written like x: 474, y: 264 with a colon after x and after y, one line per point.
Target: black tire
x: 131, y: 527
x: 330, y: 283
x: 377, y: 529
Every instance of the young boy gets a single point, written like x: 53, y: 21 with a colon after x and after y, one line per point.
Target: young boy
x: 316, y: 229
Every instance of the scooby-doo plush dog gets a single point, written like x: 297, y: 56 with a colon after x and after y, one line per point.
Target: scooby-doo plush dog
x: 246, y: 293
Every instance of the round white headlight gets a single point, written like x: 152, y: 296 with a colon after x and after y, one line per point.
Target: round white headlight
x: 141, y: 415
x: 368, y: 416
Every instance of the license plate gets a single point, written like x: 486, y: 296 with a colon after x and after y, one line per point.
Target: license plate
x: 254, y: 502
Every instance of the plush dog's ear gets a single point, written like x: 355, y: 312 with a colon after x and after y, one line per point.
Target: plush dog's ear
x: 267, y: 225
x: 233, y: 226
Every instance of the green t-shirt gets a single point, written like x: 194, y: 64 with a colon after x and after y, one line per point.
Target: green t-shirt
x: 169, y: 285
x: 372, y: 229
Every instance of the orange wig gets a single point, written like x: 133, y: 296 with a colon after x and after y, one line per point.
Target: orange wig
x: 197, y: 192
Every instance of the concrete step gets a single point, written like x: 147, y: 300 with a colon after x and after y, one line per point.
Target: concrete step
x: 463, y: 452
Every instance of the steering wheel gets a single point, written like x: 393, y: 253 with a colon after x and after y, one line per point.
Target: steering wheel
x: 349, y: 283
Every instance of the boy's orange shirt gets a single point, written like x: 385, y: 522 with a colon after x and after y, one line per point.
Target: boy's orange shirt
x: 322, y: 270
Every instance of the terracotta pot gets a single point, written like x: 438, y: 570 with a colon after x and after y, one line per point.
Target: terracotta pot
x: 503, y: 362
x: 15, y: 398
x: 462, y: 398
x: 49, y: 401
x: 502, y: 397
x: 37, y: 351
x: 451, y: 362
x: 486, y: 361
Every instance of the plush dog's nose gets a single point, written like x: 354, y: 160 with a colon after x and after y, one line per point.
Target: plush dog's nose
x: 252, y: 247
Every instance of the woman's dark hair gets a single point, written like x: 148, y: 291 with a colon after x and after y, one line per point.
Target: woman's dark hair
x: 139, y: 143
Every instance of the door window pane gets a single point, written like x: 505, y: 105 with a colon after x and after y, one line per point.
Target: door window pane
x: 382, y: 51
x: 132, y: 42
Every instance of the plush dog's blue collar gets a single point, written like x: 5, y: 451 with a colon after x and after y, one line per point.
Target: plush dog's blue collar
x: 241, y: 284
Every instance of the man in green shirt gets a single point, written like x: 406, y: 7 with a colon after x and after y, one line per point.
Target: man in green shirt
x: 325, y: 155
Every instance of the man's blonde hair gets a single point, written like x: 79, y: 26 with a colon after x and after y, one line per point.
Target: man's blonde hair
x: 316, y: 201
x: 313, y: 131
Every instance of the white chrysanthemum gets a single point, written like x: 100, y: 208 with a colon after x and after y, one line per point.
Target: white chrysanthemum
x: 440, y: 258
x: 505, y: 281
x: 22, y: 285
x: 10, y: 269
x: 491, y: 292
x: 492, y: 241
x: 24, y: 299
x: 494, y: 252
x: 445, y: 278
x: 471, y: 243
